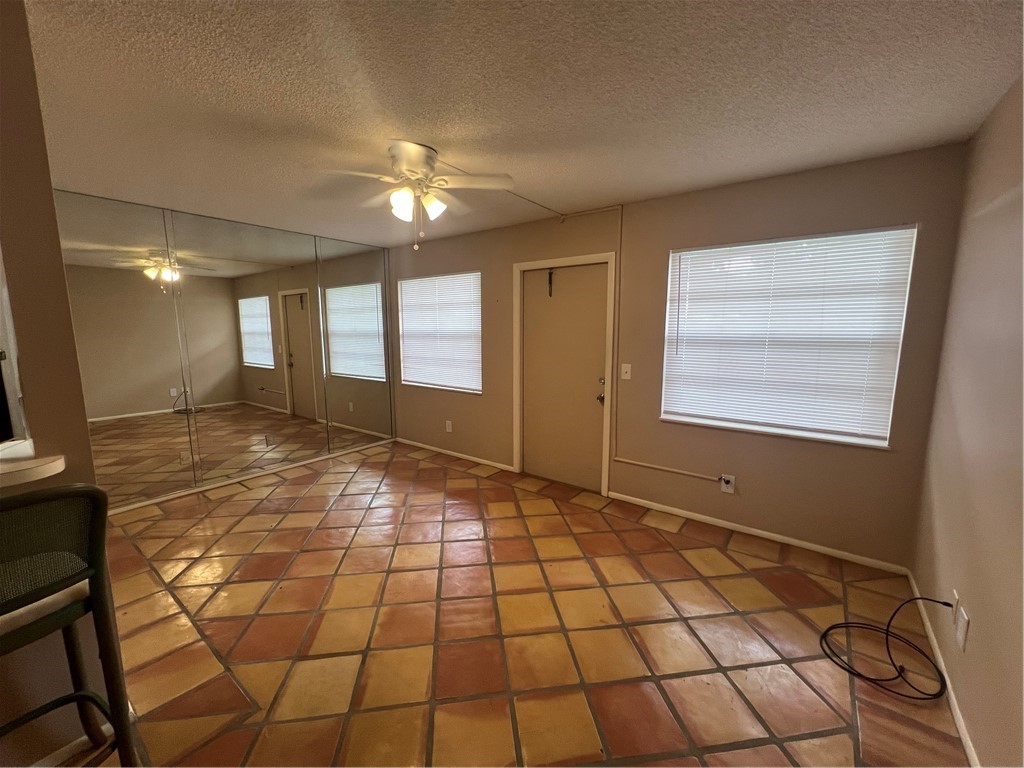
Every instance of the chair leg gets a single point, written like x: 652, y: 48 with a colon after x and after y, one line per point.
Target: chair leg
x: 113, y: 671
x: 86, y: 713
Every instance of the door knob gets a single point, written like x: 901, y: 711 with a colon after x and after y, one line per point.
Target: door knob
x: 600, y: 398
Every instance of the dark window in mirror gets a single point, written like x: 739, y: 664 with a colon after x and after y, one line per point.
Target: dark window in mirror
x: 6, y: 425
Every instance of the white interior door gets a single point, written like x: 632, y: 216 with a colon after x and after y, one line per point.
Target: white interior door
x: 564, y: 354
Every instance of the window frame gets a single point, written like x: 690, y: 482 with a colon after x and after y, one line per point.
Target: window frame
x: 270, y: 335
x: 401, y: 333
x: 815, y: 435
x: 383, y: 334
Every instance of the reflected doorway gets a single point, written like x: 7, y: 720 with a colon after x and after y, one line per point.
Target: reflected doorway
x: 298, y: 353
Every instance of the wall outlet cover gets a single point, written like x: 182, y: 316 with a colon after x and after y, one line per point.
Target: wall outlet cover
x: 727, y: 483
x: 963, y: 622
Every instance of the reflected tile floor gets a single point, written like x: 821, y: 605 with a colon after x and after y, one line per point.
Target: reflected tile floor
x: 143, y: 457
x: 396, y: 606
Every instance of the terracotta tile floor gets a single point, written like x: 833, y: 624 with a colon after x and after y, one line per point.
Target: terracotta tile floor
x: 143, y: 457
x: 395, y: 606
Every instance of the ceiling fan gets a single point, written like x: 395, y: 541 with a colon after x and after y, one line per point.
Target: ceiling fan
x: 418, y: 189
x: 153, y: 262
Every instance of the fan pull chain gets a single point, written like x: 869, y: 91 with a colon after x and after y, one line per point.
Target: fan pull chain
x: 417, y: 221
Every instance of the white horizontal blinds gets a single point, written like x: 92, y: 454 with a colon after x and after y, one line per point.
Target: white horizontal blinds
x: 254, y: 321
x: 440, y: 331
x: 798, y: 335
x: 355, y: 331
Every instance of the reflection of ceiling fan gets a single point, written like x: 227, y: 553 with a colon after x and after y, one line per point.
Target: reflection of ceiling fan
x: 416, y: 188
x: 153, y: 262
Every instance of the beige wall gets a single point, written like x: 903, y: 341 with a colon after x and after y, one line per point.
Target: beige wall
x: 211, y: 328
x: 125, y: 329
x: 482, y: 424
x: 969, y: 532
x: 271, y: 284
x: 30, y: 243
x: 54, y: 406
x: 371, y: 399
x: 856, y: 499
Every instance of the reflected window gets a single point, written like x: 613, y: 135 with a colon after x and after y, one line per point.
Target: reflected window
x: 440, y: 331
x: 355, y: 331
x: 254, y: 323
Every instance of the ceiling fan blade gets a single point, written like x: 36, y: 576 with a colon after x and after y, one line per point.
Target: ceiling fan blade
x: 377, y: 200
x: 465, y: 181
x: 455, y: 205
x: 366, y: 175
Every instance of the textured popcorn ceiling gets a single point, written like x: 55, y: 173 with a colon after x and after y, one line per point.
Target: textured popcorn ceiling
x: 235, y: 109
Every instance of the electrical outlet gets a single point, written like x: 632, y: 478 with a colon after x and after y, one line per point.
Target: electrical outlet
x: 963, y: 622
x: 173, y: 391
x: 447, y: 425
x: 627, y: 371
x: 351, y: 408
x: 727, y: 483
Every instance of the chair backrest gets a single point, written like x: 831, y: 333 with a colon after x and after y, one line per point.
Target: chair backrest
x: 49, y: 540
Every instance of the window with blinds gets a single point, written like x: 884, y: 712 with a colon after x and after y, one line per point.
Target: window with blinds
x: 254, y: 323
x: 355, y: 331
x: 798, y: 337
x: 440, y: 331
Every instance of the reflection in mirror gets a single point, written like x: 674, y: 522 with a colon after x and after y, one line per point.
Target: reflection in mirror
x: 201, y: 349
x: 354, y: 284
x: 253, y: 344
x: 121, y: 281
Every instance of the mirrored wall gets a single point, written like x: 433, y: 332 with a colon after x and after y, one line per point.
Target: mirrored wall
x: 212, y: 349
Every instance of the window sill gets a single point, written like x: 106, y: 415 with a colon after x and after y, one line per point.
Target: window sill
x: 818, y: 437
x: 20, y: 448
x: 257, y: 365
x: 359, y: 378
x: 443, y: 389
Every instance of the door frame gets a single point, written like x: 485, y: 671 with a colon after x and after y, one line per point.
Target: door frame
x: 285, y: 348
x: 517, y: 352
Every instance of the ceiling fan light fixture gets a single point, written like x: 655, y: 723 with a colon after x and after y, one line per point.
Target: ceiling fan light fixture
x: 169, y: 275
x: 402, y: 202
x: 151, y: 272
x: 433, y: 206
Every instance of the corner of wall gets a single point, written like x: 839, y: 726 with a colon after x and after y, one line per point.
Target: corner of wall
x: 969, y: 529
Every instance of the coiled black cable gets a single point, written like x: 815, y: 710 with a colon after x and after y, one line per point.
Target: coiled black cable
x: 883, y: 682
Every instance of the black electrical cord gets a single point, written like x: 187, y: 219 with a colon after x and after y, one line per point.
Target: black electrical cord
x: 189, y: 409
x: 883, y: 682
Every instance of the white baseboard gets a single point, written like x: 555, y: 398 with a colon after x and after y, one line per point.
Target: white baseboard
x: 453, y: 453
x: 164, y: 410
x: 958, y: 718
x: 130, y: 415
x: 62, y: 755
x: 869, y: 561
x: 358, y: 429
x: 262, y: 405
